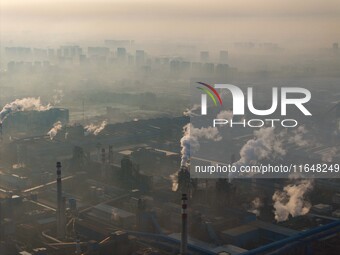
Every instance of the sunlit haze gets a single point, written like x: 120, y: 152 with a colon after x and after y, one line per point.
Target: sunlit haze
x: 293, y: 23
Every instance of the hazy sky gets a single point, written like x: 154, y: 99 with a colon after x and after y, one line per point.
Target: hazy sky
x: 282, y: 21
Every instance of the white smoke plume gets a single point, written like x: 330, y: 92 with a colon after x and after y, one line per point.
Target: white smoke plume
x: 24, y: 104
x: 328, y: 157
x: 189, y: 141
x: 255, y: 206
x: 18, y: 166
x: 54, y: 131
x: 189, y: 112
x: 270, y: 145
x: 58, y: 95
x: 95, y: 129
x: 174, y: 180
x: 292, y: 200
x: 228, y: 115
x: 298, y: 137
x: 264, y: 145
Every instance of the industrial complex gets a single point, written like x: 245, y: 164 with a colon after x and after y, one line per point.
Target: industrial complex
x: 100, y: 138
x: 124, y: 191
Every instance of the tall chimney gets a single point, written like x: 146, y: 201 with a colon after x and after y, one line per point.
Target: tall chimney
x: 78, y: 249
x: 110, y: 154
x: 60, y: 206
x: 184, y: 187
x: 184, y: 232
x: 103, y: 168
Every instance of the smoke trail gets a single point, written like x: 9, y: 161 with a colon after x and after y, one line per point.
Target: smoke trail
x: 255, y: 206
x: 189, y: 112
x: 58, y: 96
x: 95, y: 129
x: 264, y: 145
x: 189, y: 141
x: 298, y: 137
x: 24, y: 104
x: 228, y: 115
x: 268, y: 145
x: 328, y: 157
x: 53, y: 132
x: 174, y: 180
x: 291, y: 201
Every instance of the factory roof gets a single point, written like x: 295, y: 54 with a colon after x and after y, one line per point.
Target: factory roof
x: 228, y: 249
x: 257, y: 225
x: 274, y: 228
x: 168, y: 153
x: 193, y: 241
x: 113, y: 211
x: 243, y: 229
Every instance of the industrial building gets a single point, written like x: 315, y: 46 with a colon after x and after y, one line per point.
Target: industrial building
x: 33, y: 123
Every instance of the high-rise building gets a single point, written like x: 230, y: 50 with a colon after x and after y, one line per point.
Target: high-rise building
x: 204, y: 56
x: 223, y: 56
x: 140, y: 57
x: 121, y: 52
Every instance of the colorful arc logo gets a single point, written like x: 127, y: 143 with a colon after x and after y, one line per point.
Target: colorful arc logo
x: 208, y: 89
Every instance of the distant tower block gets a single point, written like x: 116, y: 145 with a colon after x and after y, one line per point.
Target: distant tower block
x: 223, y: 57
x: 335, y: 46
x: 204, y: 56
x: 140, y: 57
x: 121, y: 53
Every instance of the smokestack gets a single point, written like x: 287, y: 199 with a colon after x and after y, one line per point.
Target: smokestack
x: 103, y: 163
x: 78, y: 249
x: 184, y: 180
x: 184, y: 232
x: 184, y: 188
x: 110, y: 154
x: 60, y: 206
x: 103, y: 156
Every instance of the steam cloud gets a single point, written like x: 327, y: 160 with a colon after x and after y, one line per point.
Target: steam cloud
x: 189, y: 141
x: 54, y: 131
x: 256, y: 204
x: 190, y: 112
x: 298, y: 137
x: 24, y: 104
x: 265, y: 145
x: 58, y: 96
x: 268, y: 145
x: 291, y: 201
x: 95, y: 129
x: 228, y: 115
x: 328, y: 157
x: 174, y: 180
